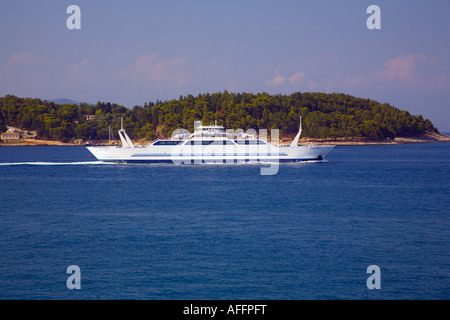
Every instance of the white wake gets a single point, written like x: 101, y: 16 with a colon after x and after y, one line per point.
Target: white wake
x: 54, y: 163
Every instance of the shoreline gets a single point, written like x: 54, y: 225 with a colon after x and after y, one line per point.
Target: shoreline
x: 425, y: 138
x: 37, y: 142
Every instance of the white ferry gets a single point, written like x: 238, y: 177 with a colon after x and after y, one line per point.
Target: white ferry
x: 209, y: 144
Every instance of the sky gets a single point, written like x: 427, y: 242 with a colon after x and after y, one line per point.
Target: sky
x: 133, y: 52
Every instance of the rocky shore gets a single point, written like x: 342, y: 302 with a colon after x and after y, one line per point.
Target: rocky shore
x: 36, y: 142
x: 424, y: 138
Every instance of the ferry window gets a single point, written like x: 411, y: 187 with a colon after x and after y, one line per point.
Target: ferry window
x: 200, y: 142
x: 167, y: 143
x: 245, y: 142
x: 222, y: 142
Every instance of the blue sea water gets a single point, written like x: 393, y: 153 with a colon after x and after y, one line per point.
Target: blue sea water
x: 161, y: 231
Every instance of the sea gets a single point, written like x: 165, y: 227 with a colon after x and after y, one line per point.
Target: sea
x: 369, y: 223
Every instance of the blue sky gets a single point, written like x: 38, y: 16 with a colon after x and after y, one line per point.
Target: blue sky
x: 132, y: 52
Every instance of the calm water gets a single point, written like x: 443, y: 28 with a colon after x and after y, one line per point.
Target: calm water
x: 226, y: 232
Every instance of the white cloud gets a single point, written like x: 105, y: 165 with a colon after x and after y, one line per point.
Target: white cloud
x: 22, y: 73
x: 22, y: 58
x: 148, y: 69
x: 277, y: 81
x: 413, y: 72
x: 296, y: 78
x: 73, y: 71
x: 169, y: 77
x: 411, y: 69
x: 311, y: 85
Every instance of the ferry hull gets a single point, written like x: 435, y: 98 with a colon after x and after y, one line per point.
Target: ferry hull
x: 152, y: 154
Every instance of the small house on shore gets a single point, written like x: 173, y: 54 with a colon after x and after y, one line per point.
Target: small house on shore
x: 10, y: 135
x: 14, y: 134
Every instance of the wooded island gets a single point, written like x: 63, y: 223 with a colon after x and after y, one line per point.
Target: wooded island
x: 333, y: 116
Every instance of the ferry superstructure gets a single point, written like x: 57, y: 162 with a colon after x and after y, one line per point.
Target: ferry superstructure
x: 209, y: 144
